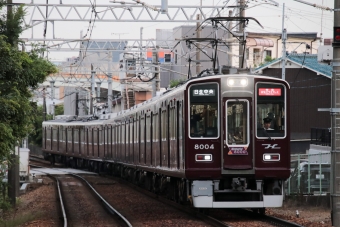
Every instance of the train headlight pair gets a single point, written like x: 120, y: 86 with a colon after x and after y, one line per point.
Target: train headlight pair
x: 237, y: 82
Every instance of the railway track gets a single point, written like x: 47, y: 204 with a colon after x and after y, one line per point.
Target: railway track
x: 211, y: 220
x: 84, y: 206
x: 188, y: 210
x: 247, y: 216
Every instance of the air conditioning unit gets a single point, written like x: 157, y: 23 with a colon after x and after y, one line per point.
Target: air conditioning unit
x: 325, y: 53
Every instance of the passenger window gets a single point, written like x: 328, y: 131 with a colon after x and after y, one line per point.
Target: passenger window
x: 270, y: 110
x: 203, y: 111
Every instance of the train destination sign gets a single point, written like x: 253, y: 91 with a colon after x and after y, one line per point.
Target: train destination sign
x: 269, y: 91
x: 204, y: 92
x: 238, y: 151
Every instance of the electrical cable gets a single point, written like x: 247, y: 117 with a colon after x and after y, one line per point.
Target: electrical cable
x: 303, y: 61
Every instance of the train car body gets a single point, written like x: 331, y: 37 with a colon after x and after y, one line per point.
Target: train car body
x: 203, y: 141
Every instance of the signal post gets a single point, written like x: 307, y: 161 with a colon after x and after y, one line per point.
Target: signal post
x: 335, y: 120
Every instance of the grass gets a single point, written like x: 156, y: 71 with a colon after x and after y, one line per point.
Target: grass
x: 18, y: 220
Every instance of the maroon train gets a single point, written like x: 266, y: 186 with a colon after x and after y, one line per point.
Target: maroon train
x: 203, y: 142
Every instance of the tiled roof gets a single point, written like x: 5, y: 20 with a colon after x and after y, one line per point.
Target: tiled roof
x: 311, y: 61
x: 308, y: 61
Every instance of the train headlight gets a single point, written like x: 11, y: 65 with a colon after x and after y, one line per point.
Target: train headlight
x: 203, y: 157
x: 237, y: 82
x: 271, y: 157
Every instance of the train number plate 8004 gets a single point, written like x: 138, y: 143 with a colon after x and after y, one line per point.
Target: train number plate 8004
x: 203, y: 146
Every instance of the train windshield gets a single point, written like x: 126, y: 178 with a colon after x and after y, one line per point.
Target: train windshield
x: 271, y: 110
x: 237, y: 122
x: 203, y: 110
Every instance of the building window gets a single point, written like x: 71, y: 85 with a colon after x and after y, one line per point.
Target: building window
x: 256, y: 56
x: 167, y: 57
x: 267, y: 53
x: 247, y: 54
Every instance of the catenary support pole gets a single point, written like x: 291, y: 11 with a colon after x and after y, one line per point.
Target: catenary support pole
x: 230, y: 27
x: 241, y: 28
x: 198, y: 52
x: 284, y: 38
x: 335, y: 122
x: 109, y: 83
x: 155, y: 81
x: 92, y: 89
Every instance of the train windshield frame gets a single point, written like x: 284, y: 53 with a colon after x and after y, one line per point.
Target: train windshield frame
x: 204, y: 111
x: 237, y: 122
x: 270, y: 110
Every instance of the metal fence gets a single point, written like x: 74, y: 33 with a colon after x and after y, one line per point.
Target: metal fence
x: 310, y: 174
x: 321, y: 136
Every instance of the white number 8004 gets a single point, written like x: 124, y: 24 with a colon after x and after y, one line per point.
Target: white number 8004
x: 203, y: 146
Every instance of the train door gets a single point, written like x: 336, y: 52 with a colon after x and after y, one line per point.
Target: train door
x: 165, y: 136
x: 136, y: 140
x: 69, y: 135
x: 142, y: 139
x: 173, y: 139
x: 130, y: 142
x: 105, y: 142
x: 237, y: 152
x: 81, y: 140
x: 148, y: 139
x: 155, y: 138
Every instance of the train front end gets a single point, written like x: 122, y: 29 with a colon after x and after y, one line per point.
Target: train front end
x: 237, y: 149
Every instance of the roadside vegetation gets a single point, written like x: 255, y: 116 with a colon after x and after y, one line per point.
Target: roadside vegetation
x: 20, y: 73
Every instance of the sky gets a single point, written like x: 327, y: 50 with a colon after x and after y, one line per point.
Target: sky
x: 298, y: 17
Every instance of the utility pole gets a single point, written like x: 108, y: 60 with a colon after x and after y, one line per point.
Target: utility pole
x: 122, y: 79
x: 44, y: 103
x: 230, y: 26
x: 155, y: 81
x: 52, y: 97
x: 109, y: 81
x: 284, y: 38
x: 198, y: 35
x: 241, y: 28
x: 92, y: 89
x: 77, y: 106
x: 335, y: 120
x: 198, y: 52
x: 98, y: 91
x: 13, y: 176
x: 13, y: 167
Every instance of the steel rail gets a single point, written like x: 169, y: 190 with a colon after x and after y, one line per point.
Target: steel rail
x: 107, y: 205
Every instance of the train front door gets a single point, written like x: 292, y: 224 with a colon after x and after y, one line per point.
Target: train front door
x: 237, y: 152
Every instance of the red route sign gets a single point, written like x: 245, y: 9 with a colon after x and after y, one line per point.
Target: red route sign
x: 269, y: 91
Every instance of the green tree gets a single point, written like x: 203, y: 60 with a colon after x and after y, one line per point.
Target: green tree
x: 11, y: 23
x: 20, y: 73
x: 266, y: 60
x: 174, y: 83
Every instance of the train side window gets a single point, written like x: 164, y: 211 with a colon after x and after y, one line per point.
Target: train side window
x: 237, y: 122
x: 203, y: 111
x: 270, y: 108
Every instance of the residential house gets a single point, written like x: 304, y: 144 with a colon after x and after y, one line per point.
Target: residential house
x: 310, y: 83
x: 261, y: 45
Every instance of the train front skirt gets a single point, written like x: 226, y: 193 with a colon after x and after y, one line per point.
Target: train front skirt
x: 204, y: 196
